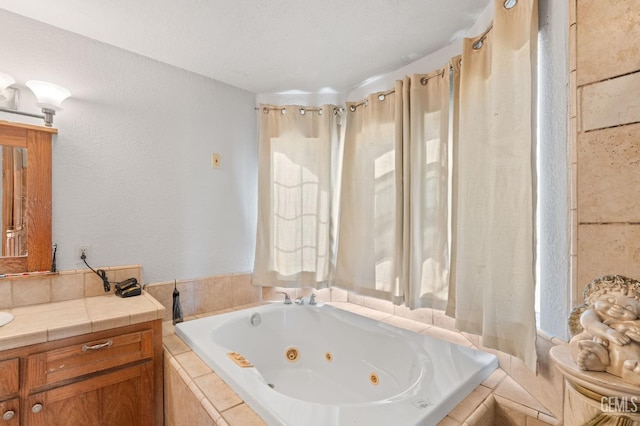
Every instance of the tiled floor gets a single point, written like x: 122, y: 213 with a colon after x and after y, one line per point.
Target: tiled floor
x: 498, y: 397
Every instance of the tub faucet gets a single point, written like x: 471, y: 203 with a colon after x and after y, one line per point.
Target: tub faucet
x: 310, y: 300
x: 287, y: 299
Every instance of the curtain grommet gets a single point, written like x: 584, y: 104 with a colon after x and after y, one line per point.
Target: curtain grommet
x: 381, y: 97
x: 283, y: 110
x: 478, y: 44
x: 510, y: 4
x: 320, y: 111
x: 424, y: 81
x: 265, y: 110
x: 352, y: 108
x: 302, y: 111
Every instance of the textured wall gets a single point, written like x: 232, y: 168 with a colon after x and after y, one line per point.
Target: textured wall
x: 605, y: 135
x: 131, y: 164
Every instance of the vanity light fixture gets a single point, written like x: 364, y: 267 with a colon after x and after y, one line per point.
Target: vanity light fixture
x: 5, y: 81
x: 49, y: 97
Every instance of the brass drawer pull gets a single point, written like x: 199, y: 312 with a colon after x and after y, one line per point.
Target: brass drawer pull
x: 96, y: 347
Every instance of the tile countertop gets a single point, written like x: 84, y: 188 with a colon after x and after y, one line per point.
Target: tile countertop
x: 58, y: 320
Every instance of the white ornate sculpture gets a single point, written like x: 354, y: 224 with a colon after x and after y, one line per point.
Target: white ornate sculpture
x: 606, y: 328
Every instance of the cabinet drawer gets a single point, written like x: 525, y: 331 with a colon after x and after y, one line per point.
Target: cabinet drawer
x: 88, y: 357
x: 9, y: 379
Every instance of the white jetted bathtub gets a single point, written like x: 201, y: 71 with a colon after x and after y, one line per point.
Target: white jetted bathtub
x: 319, y: 365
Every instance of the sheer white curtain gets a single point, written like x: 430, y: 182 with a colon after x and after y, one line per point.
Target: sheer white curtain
x: 426, y: 189
x: 369, y: 258
x: 295, y: 189
x: 494, y: 251
x: 393, y: 228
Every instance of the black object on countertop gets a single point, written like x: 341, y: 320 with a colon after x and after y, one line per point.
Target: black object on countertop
x: 128, y: 288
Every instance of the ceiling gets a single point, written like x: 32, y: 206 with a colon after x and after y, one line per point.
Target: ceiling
x: 268, y: 46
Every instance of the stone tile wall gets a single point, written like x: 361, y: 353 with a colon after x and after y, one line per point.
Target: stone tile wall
x: 604, y: 136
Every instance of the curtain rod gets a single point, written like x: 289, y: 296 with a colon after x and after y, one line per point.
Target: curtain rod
x: 381, y: 95
x: 303, y: 109
x: 280, y: 107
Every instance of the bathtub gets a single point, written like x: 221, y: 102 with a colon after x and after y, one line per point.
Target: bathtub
x: 319, y: 365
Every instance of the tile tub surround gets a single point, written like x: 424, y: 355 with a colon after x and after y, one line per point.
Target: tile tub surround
x: 58, y: 320
x: 206, y: 294
x: 194, y: 394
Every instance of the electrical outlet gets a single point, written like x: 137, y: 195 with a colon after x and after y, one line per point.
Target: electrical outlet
x: 83, y: 249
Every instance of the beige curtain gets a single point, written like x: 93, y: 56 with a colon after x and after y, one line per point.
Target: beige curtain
x: 370, y: 227
x: 393, y: 227
x: 295, y: 181
x: 426, y: 189
x: 494, y: 251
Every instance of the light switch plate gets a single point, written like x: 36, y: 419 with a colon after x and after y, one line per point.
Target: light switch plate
x: 215, y: 161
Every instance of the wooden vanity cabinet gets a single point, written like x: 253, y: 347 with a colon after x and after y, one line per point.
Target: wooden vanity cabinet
x: 113, y: 377
x: 117, y: 398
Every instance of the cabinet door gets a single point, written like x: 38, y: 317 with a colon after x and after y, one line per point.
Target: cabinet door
x: 9, y: 378
x: 123, y: 397
x: 10, y: 412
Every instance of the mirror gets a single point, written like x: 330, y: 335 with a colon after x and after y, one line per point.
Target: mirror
x: 13, y: 214
x: 26, y: 198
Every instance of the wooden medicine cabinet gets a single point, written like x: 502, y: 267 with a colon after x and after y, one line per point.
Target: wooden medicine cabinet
x: 26, y: 198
